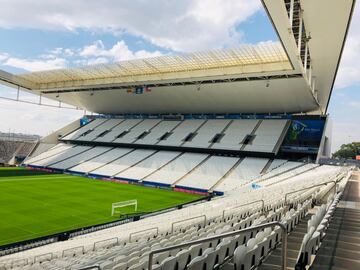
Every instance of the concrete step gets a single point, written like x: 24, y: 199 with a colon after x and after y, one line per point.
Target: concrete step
x: 344, y: 238
x: 276, y: 261
x: 343, y: 232
x: 351, y: 222
x: 333, y: 261
x: 342, y: 245
x: 266, y: 266
x: 293, y: 254
x: 325, y: 267
x: 331, y: 250
x: 347, y: 215
x: 295, y: 236
x: 343, y: 227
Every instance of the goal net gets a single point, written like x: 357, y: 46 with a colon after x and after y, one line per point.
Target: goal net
x: 117, y: 205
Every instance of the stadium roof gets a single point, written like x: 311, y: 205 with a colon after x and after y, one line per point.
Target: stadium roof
x: 262, y: 58
x: 294, y: 75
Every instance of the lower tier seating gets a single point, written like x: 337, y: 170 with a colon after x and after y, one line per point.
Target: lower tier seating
x: 191, y: 170
x: 113, y: 248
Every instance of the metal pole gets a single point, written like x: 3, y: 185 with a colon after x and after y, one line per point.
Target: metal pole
x: 300, y: 30
x: 291, y: 12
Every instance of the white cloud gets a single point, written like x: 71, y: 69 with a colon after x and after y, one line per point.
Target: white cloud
x: 119, y: 52
x: 3, y: 56
x: 344, y: 132
x: 355, y: 104
x: 36, y: 64
x: 349, y: 71
x: 185, y: 25
x: 34, y: 119
x: 92, y: 54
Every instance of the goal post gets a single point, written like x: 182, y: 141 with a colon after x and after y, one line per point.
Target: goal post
x: 117, y: 205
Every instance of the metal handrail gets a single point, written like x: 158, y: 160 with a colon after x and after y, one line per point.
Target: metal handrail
x: 74, y: 248
x: 262, y: 206
x: 208, y: 239
x: 105, y: 240
x: 307, y: 188
x: 26, y: 260
x: 90, y: 267
x: 150, y: 229
x: 176, y: 222
x: 42, y: 255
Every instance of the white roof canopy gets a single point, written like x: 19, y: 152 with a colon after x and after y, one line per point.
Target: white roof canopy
x: 265, y: 57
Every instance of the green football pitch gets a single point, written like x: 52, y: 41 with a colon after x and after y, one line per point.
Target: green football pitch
x: 35, y: 204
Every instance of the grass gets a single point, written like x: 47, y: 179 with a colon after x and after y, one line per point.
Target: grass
x: 35, y: 204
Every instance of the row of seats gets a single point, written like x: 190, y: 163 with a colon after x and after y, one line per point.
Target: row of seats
x: 246, y: 135
x: 217, y: 222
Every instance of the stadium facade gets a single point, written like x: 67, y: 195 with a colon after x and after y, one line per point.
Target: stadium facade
x: 245, y: 118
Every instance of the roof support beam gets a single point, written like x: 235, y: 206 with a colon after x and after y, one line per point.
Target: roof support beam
x: 300, y: 29
x: 291, y: 15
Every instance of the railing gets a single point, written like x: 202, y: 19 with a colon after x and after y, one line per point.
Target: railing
x: 259, y: 227
x: 246, y: 204
x: 16, y: 263
x: 106, y: 240
x: 150, y: 229
x: 38, y: 257
x: 181, y: 221
x: 72, y: 251
x: 307, y: 188
x: 90, y: 267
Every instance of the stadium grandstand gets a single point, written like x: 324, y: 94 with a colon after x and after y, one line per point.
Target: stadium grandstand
x: 218, y: 152
x: 14, y: 148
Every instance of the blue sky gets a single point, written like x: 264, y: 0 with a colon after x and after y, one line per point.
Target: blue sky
x: 61, y: 33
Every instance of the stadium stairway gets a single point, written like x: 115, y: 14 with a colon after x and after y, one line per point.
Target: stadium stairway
x: 340, y: 248
x: 273, y: 261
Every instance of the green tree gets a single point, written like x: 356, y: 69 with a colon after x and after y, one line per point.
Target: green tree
x: 348, y: 151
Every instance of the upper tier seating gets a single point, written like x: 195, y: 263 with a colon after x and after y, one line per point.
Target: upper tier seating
x: 235, y: 134
x: 267, y: 136
x: 121, y: 129
x: 222, y: 134
x: 82, y: 131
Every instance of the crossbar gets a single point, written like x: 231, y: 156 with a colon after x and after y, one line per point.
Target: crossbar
x: 208, y: 239
x: 123, y: 204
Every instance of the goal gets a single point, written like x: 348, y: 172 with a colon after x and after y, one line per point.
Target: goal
x: 118, y: 205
